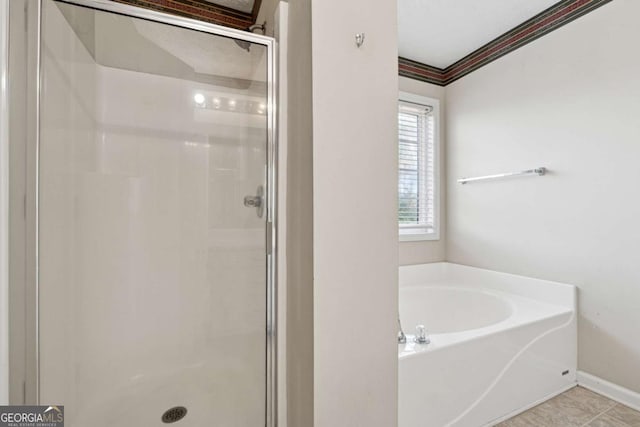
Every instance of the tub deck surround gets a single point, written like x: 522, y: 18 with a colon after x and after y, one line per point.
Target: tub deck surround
x: 491, y: 333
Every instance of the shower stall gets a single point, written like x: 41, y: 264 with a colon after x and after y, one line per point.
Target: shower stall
x: 147, y: 287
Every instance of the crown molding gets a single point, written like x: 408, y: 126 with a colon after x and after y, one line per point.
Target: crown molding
x: 543, y: 23
x: 201, y: 10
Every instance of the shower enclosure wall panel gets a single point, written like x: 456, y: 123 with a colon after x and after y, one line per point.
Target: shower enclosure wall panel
x: 68, y: 129
x: 152, y: 272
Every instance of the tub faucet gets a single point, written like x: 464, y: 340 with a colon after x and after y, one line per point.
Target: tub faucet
x: 421, y: 335
x: 402, y: 338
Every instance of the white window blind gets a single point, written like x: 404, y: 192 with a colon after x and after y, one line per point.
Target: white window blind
x: 416, y: 181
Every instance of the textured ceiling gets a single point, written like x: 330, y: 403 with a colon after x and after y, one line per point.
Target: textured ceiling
x: 241, y: 5
x: 441, y: 32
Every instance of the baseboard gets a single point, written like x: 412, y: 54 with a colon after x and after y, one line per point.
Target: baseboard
x: 526, y: 408
x: 610, y: 390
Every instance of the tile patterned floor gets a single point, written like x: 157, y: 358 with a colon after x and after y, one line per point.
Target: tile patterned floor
x: 577, y: 407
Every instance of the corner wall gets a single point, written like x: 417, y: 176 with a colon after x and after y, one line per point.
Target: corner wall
x: 355, y: 230
x: 4, y: 204
x: 300, y: 329
x: 569, y: 101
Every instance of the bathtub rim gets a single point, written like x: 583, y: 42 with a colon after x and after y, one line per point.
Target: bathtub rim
x: 454, y: 339
x: 442, y: 273
x: 501, y: 296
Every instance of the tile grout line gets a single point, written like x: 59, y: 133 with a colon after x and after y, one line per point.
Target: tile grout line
x: 613, y: 404
x: 600, y: 414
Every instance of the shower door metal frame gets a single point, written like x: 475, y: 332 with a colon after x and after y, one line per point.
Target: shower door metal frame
x: 271, y: 173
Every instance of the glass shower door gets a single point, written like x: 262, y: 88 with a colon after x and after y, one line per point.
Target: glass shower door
x: 153, y: 264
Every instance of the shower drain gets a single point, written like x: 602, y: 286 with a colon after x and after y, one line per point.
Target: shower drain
x: 174, y: 414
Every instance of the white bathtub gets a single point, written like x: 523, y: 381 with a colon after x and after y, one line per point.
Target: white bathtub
x: 499, y: 344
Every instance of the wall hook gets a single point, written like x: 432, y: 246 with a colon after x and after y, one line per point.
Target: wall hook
x: 359, y: 39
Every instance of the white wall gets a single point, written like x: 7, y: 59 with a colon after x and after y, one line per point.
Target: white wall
x: 421, y: 252
x: 300, y: 330
x: 4, y: 204
x: 355, y: 217
x: 569, y: 101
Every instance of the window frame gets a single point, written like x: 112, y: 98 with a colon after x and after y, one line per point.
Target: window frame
x: 409, y: 235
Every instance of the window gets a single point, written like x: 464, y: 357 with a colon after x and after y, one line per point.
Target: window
x: 418, y: 119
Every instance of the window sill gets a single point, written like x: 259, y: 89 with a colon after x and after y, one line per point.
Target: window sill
x: 418, y: 237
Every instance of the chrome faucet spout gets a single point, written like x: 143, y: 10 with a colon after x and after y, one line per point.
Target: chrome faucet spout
x: 402, y: 338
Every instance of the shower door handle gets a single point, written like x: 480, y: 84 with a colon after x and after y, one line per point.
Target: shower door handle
x: 256, y: 201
